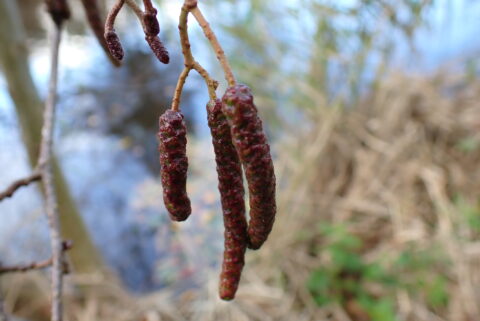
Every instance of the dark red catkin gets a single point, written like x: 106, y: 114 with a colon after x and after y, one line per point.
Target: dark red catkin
x: 254, y: 152
x: 152, y: 27
x: 95, y: 21
x: 230, y: 184
x: 111, y: 38
x: 158, y: 48
x: 58, y: 10
x: 150, y: 22
x: 172, y: 138
x: 114, y: 45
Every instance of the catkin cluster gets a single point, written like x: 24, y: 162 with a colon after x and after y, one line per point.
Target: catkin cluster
x: 151, y: 28
x: 239, y: 143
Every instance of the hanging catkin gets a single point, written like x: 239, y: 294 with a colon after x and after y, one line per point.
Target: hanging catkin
x: 172, y: 138
x: 254, y: 152
x: 230, y: 184
x: 97, y: 25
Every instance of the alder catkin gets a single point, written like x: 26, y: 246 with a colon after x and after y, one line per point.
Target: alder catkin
x: 152, y: 27
x: 158, y: 48
x: 230, y: 185
x: 172, y: 138
x: 97, y: 25
x: 114, y: 45
x: 254, y: 152
x: 59, y: 10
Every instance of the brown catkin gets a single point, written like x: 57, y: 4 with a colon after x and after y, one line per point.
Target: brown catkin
x: 114, y: 45
x: 152, y: 27
x: 172, y: 138
x: 254, y: 152
x: 97, y: 25
x: 59, y: 10
x: 230, y: 185
x: 158, y: 48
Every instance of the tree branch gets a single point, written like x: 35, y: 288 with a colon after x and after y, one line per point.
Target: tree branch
x: 189, y: 62
x: 66, y: 245
x: 35, y: 176
x: 136, y: 9
x: 45, y: 168
x: 214, y: 42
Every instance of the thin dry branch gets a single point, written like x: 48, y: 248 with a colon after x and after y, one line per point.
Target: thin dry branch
x: 136, y: 9
x: 112, y: 15
x: 189, y: 61
x: 207, y: 30
x: 45, y: 167
x: 149, y: 6
x: 66, y: 245
x: 179, y: 88
x: 35, y: 176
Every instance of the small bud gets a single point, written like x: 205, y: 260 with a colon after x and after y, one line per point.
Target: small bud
x: 114, y: 45
x: 152, y: 27
x: 158, y: 49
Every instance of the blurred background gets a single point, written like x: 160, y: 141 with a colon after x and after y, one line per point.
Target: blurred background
x: 372, y: 109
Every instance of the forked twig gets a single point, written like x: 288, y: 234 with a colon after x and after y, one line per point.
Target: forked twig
x: 189, y: 61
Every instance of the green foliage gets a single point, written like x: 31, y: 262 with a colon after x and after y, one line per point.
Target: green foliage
x: 347, y: 275
x: 469, y: 212
x: 468, y: 144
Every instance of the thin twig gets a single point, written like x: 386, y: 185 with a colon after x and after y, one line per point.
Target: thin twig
x: 112, y: 15
x: 35, y: 176
x: 179, y: 88
x: 215, y: 44
x: 45, y: 167
x: 212, y: 84
x: 184, y: 39
x: 189, y: 62
x: 136, y: 9
x: 149, y: 6
x: 66, y: 245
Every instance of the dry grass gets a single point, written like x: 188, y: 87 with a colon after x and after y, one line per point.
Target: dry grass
x: 391, y: 171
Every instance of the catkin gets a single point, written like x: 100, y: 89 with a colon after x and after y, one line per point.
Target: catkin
x: 230, y: 184
x: 152, y: 27
x: 172, y: 138
x: 98, y: 27
x: 114, y: 45
x: 158, y: 48
x: 254, y: 152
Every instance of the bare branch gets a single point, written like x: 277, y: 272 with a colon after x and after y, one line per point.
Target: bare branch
x: 66, y: 245
x: 179, y: 88
x: 112, y: 15
x: 189, y: 61
x: 35, y: 176
x: 45, y: 167
x: 214, y: 42
x: 136, y: 9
